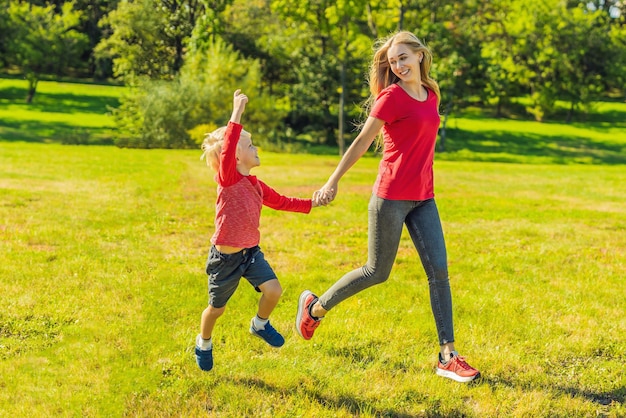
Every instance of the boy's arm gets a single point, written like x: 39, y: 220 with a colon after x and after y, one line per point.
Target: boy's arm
x: 228, y: 158
x: 239, y: 105
x: 274, y: 200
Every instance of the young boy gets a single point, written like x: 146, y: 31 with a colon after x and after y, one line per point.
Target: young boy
x: 235, y: 252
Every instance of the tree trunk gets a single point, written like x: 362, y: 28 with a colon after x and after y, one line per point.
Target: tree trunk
x: 342, y: 94
x: 32, y: 88
x: 570, y: 113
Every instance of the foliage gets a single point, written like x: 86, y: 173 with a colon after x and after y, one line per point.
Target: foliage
x: 148, y: 37
x: 43, y: 41
x: 313, y: 56
x: 160, y: 114
x: 330, y: 55
x: 552, y: 50
x: 5, y: 32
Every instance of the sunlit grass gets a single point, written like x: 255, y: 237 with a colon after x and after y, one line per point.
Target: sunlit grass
x: 102, y: 254
x: 71, y: 113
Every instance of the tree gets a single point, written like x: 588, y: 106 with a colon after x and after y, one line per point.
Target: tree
x: 330, y: 47
x: 162, y: 113
x: 148, y: 37
x: 44, y: 41
x: 5, y: 32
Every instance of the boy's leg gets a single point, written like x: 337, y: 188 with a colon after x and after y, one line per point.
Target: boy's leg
x: 208, y: 319
x: 260, y: 274
x: 224, y: 273
x: 271, y: 292
x: 260, y: 325
x: 204, y: 345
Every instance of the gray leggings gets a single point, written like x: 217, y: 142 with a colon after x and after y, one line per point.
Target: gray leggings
x: 386, y: 218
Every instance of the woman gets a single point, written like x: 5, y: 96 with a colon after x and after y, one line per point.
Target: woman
x: 403, y: 104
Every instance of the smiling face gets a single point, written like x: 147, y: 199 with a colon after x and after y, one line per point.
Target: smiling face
x: 404, y: 63
x: 247, y: 154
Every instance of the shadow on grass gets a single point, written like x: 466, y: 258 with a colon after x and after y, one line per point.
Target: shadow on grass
x: 59, y: 132
x: 59, y: 102
x: 601, y: 398
x: 352, y: 404
x: 504, y: 146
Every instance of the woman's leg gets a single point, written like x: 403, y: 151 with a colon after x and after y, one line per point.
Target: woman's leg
x: 425, y: 229
x: 386, y: 219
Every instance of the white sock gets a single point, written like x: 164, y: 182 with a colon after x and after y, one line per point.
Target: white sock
x: 204, y: 344
x: 258, y: 323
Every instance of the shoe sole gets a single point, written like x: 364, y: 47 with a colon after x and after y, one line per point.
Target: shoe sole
x: 301, y: 307
x: 456, y: 377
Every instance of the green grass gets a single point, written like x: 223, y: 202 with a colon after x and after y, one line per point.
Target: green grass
x: 101, y: 272
x: 597, y: 138
x: 102, y: 254
x: 78, y: 113
x: 69, y: 113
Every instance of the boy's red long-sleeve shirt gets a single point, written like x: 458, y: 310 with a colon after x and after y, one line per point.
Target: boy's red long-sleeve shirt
x: 240, y: 199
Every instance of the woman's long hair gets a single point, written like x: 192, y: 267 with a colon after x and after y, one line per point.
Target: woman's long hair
x: 381, y: 76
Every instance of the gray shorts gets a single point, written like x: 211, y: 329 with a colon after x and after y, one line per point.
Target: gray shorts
x: 225, y: 271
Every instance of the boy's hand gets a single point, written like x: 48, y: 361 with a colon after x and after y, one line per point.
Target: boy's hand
x: 324, y: 196
x: 239, y: 105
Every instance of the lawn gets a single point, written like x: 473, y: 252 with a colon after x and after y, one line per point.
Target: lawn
x: 69, y: 113
x: 102, y: 254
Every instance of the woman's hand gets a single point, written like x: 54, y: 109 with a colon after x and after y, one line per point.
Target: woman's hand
x: 325, y: 195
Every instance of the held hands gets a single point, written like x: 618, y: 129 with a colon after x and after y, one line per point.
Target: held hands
x: 325, y: 195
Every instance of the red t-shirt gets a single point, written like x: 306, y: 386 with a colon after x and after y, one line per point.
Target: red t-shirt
x: 409, y: 135
x: 240, y: 199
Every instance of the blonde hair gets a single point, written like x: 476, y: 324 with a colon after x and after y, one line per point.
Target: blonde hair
x: 212, y: 147
x: 381, y: 76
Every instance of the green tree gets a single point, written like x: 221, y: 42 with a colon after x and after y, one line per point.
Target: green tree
x: 330, y: 47
x: 5, y: 32
x: 43, y: 41
x: 585, y: 46
x: 148, y: 37
x: 161, y: 114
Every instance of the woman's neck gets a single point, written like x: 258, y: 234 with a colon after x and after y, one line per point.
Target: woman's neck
x: 415, y: 89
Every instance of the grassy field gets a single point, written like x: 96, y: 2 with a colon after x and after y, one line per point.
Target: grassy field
x: 68, y: 113
x: 101, y: 275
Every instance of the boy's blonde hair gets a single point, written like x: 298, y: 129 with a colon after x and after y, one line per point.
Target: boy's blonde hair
x: 212, y: 147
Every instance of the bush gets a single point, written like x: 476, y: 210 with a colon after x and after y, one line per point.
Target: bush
x: 161, y: 114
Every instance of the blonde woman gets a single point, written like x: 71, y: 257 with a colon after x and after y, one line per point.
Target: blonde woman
x: 403, y: 105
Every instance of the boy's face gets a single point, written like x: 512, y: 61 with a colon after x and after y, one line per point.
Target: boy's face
x: 247, y: 155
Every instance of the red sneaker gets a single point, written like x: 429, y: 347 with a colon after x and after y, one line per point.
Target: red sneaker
x: 305, y: 323
x: 457, y: 369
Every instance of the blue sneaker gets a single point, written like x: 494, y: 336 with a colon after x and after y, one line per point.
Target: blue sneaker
x: 204, y: 358
x: 269, y: 334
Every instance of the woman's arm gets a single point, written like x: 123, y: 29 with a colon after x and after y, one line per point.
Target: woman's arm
x: 359, y: 146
